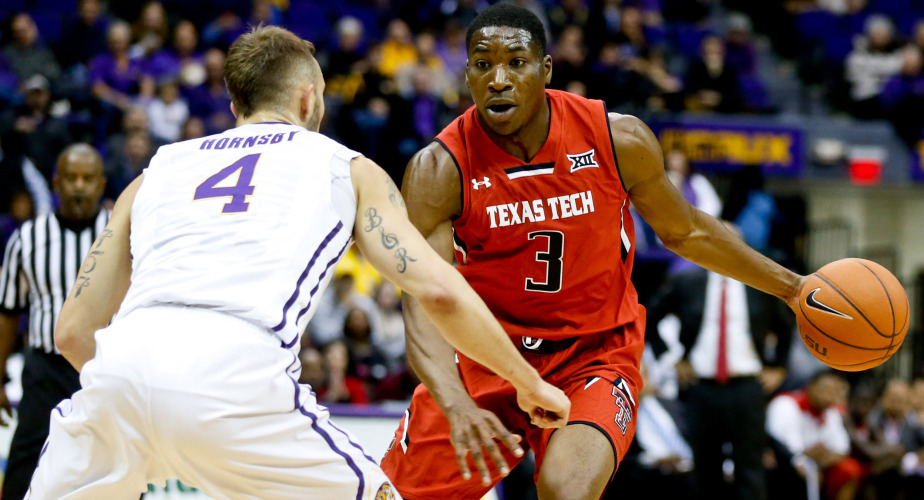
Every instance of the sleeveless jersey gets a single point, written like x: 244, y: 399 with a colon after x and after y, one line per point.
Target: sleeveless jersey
x: 249, y: 222
x: 549, y: 244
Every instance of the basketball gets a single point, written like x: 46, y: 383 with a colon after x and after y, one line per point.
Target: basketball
x: 853, y: 314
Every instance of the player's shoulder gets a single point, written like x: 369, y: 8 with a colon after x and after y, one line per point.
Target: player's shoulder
x: 435, y: 165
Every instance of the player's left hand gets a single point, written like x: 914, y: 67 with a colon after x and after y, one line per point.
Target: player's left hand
x: 547, y: 406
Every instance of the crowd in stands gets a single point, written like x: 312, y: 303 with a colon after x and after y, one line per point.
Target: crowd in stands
x: 130, y: 76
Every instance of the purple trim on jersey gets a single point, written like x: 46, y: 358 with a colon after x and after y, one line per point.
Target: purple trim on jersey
x: 358, y: 447
x: 271, y: 123
x: 315, y: 289
x: 330, y: 442
x: 301, y: 279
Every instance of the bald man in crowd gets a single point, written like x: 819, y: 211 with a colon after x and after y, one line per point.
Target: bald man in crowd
x: 40, y: 266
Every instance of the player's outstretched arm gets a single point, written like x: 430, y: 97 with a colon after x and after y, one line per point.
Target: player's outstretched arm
x: 395, y: 247
x: 689, y: 232
x: 101, y: 285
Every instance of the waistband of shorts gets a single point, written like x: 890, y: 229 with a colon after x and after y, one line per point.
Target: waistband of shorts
x: 543, y: 346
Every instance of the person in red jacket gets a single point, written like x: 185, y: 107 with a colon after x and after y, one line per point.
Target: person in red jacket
x: 529, y: 190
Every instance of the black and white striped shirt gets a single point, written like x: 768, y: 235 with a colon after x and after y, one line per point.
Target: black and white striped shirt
x: 40, y: 266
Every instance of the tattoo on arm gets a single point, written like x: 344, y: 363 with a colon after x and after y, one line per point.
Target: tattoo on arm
x: 82, y: 282
x: 89, y: 264
x: 389, y: 240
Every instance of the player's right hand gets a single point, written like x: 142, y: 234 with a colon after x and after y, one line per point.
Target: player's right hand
x: 473, y: 430
x: 547, y: 405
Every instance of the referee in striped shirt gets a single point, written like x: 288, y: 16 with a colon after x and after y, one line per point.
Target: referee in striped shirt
x: 39, y: 267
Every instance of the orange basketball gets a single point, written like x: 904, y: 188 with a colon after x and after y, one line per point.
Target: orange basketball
x: 853, y: 314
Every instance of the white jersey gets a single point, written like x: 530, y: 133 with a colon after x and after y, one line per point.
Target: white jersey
x: 248, y: 222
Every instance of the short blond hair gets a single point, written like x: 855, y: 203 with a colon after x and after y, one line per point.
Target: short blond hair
x: 264, y: 65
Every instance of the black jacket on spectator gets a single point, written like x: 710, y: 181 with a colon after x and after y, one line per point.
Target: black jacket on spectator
x: 685, y: 296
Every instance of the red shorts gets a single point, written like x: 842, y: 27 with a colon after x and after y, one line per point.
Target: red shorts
x: 599, y: 373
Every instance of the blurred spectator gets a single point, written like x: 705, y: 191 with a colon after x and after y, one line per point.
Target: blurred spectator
x: 451, y: 49
x: 398, y: 49
x: 167, y: 112
x: 339, y: 386
x: 83, y: 37
x: 750, y: 206
x: 150, y: 35
x: 917, y: 398
x: 19, y: 174
x: 612, y: 80
x: 391, y: 339
x: 115, y: 77
x: 694, y: 186
x: 874, y: 59
x: 567, y: 13
x: 868, y: 442
x: 569, y: 59
x: 121, y: 169
x: 814, y: 442
x: 15, y: 208
x: 26, y: 54
x: 367, y: 361
x: 185, y: 63
x: 210, y: 101
x: 741, y: 53
x: 895, y: 420
x: 343, y: 73
x: 659, y: 461
x: 134, y: 120
x: 223, y: 30
x: 725, y: 372
x: 339, y: 299
x: 193, y: 128
x: 711, y: 84
x: 631, y: 36
x: 41, y: 135
x: 902, y: 97
x: 314, y: 373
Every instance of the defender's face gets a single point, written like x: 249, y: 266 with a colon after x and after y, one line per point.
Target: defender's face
x: 507, y: 77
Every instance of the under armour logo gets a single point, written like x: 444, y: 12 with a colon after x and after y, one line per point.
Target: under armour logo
x: 531, y: 343
x: 583, y: 160
x: 486, y: 183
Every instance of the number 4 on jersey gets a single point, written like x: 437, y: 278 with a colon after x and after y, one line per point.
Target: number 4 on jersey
x: 238, y: 192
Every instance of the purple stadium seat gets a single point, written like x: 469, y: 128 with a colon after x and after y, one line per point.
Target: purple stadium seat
x: 311, y: 22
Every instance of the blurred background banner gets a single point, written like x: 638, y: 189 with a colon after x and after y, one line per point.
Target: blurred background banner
x: 723, y: 146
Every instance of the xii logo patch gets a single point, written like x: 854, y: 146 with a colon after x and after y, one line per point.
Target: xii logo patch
x: 582, y: 160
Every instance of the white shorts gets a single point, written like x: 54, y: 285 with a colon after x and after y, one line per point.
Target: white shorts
x: 206, y: 398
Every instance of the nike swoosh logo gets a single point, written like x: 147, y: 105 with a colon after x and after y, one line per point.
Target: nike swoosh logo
x: 813, y: 303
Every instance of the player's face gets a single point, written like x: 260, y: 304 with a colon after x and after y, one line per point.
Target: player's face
x: 507, y: 77
x: 80, y: 184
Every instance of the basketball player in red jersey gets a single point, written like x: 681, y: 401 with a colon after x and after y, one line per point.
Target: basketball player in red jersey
x: 530, y: 191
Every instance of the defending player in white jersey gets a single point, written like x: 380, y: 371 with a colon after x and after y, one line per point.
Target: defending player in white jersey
x: 214, y: 260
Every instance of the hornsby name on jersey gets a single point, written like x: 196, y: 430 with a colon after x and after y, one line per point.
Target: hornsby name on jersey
x: 245, y: 142
x: 559, y: 207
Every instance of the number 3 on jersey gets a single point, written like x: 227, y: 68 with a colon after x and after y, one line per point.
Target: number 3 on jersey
x: 238, y: 192
x: 552, y: 258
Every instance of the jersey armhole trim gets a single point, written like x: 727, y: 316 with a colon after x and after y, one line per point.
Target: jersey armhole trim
x: 461, y: 179
x: 609, y: 130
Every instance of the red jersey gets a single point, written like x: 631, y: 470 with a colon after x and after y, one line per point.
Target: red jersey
x: 549, y: 244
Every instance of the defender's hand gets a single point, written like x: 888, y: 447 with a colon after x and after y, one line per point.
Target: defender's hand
x: 473, y: 430
x: 546, y: 405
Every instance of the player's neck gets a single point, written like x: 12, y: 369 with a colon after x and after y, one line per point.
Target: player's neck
x: 526, y: 142
x: 268, y: 117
